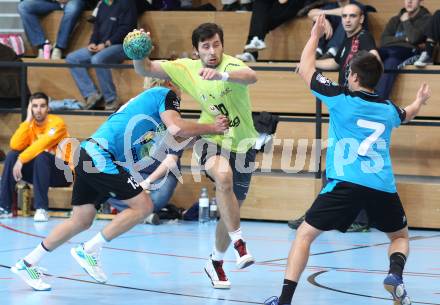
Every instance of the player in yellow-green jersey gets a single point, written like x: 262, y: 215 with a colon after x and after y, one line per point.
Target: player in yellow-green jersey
x: 219, y: 83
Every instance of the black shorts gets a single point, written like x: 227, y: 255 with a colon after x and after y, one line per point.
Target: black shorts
x: 340, y: 202
x: 96, y: 187
x: 239, y: 162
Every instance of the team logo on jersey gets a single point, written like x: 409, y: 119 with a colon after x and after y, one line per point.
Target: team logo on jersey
x: 203, y: 97
x: 214, y: 110
x: 176, y: 103
x: 51, y: 131
x: 226, y: 91
x: 323, y: 80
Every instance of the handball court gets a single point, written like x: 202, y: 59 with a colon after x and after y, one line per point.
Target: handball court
x: 164, y: 265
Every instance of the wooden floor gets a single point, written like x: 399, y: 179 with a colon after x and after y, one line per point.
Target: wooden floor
x: 151, y: 265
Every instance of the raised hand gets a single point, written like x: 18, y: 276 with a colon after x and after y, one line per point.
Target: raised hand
x: 423, y: 94
x: 319, y: 27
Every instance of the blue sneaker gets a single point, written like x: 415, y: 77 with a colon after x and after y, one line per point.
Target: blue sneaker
x: 394, y: 285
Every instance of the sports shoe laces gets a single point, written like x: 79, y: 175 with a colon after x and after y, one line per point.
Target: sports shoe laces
x: 93, y: 258
x: 218, y: 266
x: 240, y: 246
x: 37, y: 272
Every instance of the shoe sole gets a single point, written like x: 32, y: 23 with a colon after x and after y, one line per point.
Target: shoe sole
x: 14, y: 270
x: 248, y: 261
x: 41, y: 220
x: 250, y: 50
x: 390, y: 289
x: 217, y: 285
x: 80, y: 262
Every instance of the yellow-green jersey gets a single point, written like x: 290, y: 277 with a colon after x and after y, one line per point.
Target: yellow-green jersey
x: 218, y: 97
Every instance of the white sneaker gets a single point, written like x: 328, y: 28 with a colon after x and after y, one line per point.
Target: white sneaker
x: 32, y: 275
x: 5, y: 213
x: 40, y: 54
x: 214, y: 270
x: 246, y: 57
x: 41, y: 215
x: 90, y: 263
x: 256, y: 44
x: 423, y: 60
x: 56, y: 54
x: 244, y: 258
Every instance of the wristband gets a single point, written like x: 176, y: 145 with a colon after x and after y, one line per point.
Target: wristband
x: 225, y: 76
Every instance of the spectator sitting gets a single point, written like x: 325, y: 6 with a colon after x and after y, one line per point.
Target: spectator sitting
x: 31, y: 10
x: 334, y: 31
x: 400, y: 39
x: 433, y: 34
x: 356, y: 38
x: 32, y: 157
x: 158, y: 174
x: 266, y: 16
x: 115, y: 19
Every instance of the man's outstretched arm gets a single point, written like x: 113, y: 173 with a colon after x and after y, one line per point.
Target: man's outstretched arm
x: 307, y: 64
x: 422, y: 97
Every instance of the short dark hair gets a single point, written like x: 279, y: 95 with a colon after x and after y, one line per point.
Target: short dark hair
x: 206, y: 31
x: 368, y: 68
x: 38, y: 95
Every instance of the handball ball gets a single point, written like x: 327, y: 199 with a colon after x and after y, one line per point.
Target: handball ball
x: 137, y: 45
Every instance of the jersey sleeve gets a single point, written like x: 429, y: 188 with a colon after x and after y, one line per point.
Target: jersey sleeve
x: 49, y: 139
x: 170, y: 102
x: 400, y: 115
x: 326, y: 90
x: 179, y: 71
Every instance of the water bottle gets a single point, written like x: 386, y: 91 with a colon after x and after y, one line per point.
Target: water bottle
x: 204, y: 206
x: 24, y: 198
x: 213, y: 210
x: 46, y: 49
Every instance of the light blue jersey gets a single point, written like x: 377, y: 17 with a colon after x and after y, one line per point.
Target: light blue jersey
x: 359, y: 135
x: 133, y: 133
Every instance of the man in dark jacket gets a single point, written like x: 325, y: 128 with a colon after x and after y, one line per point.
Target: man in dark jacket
x: 115, y: 19
x: 400, y: 39
x: 10, y: 91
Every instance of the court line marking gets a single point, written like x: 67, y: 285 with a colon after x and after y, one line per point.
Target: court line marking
x: 145, y: 289
x: 355, y: 248
x: 263, y: 263
x: 312, y: 280
x: 223, y: 299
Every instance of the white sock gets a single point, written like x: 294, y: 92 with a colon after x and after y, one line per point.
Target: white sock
x: 95, y: 243
x: 36, y: 255
x: 216, y: 255
x: 236, y: 235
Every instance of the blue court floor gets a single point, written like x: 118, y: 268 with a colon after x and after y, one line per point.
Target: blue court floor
x: 164, y: 265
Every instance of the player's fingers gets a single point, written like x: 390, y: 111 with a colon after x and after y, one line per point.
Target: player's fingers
x: 202, y: 73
